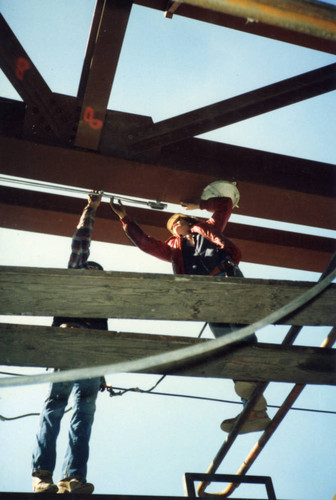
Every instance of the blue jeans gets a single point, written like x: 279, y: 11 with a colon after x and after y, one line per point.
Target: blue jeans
x: 77, y: 454
x: 221, y: 329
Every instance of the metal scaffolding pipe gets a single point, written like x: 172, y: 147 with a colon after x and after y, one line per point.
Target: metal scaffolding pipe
x: 305, y: 16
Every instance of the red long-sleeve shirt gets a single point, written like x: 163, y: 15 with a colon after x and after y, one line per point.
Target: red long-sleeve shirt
x: 171, y: 250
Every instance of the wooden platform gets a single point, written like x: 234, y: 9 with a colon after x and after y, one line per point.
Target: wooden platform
x: 53, y: 292
x: 25, y: 345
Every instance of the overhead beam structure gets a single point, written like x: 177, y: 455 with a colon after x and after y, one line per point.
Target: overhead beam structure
x: 52, y: 292
x: 40, y: 140
x: 274, y: 19
x: 229, y: 111
x: 101, y: 60
x: 39, y: 346
x: 52, y: 214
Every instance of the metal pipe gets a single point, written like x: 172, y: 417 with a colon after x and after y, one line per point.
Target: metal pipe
x: 304, y: 16
x: 156, y: 205
x: 288, y: 340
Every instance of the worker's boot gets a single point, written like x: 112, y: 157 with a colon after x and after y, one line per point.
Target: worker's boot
x: 74, y: 485
x: 43, y: 482
x: 258, y: 419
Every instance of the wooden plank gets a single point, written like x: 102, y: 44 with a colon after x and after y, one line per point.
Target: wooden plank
x: 53, y: 214
x: 40, y: 346
x: 235, y: 109
x: 53, y: 292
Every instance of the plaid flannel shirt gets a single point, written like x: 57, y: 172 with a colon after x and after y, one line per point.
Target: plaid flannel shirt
x: 80, y: 247
x: 80, y: 251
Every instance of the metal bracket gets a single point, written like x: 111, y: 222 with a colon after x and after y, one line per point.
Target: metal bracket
x: 190, y: 477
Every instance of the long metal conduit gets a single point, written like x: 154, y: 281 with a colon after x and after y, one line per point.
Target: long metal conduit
x: 304, y: 16
x: 288, y: 340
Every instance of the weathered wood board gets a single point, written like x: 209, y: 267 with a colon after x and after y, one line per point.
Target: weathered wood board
x: 23, y: 345
x: 82, y: 293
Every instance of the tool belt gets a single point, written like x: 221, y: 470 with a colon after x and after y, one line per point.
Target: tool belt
x: 225, y: 267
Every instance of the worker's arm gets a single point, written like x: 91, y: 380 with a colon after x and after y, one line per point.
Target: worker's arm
x: 80, y: 247
x: 221, y: 208
x: 138, y: 237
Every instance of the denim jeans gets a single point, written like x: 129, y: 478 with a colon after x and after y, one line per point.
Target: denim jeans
x: 221, y: 329
x: 77, y: 453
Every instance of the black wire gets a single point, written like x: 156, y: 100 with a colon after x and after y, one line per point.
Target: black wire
x: 203, y: 398
x: 187, y: 396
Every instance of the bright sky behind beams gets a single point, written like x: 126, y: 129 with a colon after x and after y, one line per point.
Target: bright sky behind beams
x: 144, y: 444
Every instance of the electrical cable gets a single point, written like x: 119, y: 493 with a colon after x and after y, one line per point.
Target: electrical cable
x: 177, y: 357
x: 3, y: 419
x: 215, y: 400
x: 123, y: 390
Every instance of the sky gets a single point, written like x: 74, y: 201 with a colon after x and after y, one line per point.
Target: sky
x: 143, y: 444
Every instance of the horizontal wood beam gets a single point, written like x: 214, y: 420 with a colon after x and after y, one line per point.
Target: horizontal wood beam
x: 52, y: 214
x: 235, y: 109
x: 242, y: 23
x: 39, y: 346
x: 191, y: 172
x: 53, y: 292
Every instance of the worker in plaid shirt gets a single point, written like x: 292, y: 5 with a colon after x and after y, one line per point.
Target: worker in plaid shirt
x: 85, y: 391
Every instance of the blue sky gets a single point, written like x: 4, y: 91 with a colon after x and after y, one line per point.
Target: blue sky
x: 143, y: 444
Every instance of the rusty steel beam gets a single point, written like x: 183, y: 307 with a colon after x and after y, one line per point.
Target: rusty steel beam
x: 19, y: 69
x: 106, y: 39
x: 242, y: 22
x: 52, y: 214
x: 90, y: 48
x: 196, y: 156
x: 45, y: 116
x: 241, y: 164
x: 28, y: 82
x: 233, y: 110
x: 175, y: 180
x: 310, y: 17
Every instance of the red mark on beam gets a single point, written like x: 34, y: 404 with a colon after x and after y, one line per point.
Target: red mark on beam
x: 89, y: 118
x: 22, y: 65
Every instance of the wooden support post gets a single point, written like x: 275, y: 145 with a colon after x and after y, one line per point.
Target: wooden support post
x: 54, y: 292
x: 23, y: 345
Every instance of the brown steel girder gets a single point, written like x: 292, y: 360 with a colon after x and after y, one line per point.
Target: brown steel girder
x: 235, y: 109
x: 100, y: 64
x: 248, y: 25
x: 52, y: 214
x: 286, y: 189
